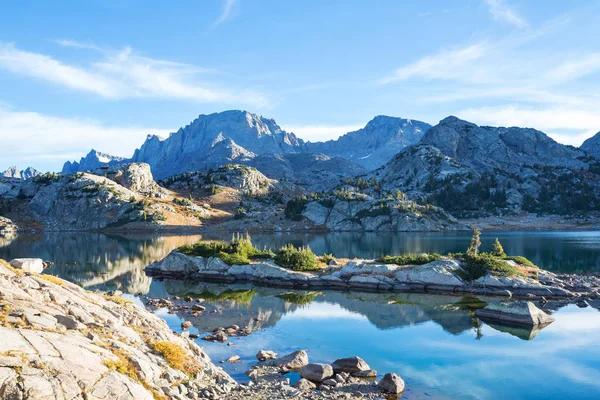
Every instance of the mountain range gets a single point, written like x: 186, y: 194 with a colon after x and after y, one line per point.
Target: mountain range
x: 242, y: 137
x: 456, y: 164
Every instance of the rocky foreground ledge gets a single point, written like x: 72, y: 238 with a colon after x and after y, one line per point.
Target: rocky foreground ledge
x: 59, y: 341
x: 442, y: 276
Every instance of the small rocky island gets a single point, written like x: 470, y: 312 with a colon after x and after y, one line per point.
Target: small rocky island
x: 491, y: 274
x: 59, y: 341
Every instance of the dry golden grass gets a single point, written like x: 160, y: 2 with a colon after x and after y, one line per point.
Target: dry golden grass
x: 118, y: 299
x: 123, y: 365
x: 52, y: 279
x: 5, y: 264
x: 176, y: 357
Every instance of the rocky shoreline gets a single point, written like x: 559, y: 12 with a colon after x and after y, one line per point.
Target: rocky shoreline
x: 59, y: 341
x: 442, y: 276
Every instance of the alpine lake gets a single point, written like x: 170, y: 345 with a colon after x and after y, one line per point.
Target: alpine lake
x: 433, y: 341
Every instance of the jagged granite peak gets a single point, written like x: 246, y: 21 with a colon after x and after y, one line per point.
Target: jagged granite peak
x: 592, y: 145
x: 255, y: 134
x: 14, y: 172
x: 376, y: 143
x: 93, y: 160
x: 498, y: 147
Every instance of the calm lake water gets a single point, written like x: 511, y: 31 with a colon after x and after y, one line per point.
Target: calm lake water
x: 434, y: 342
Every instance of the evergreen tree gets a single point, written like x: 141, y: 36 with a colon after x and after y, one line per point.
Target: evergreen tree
x: 473, y: 249
x: 498, y: 250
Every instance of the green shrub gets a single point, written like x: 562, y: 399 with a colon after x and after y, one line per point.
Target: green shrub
x: 521, y: 260
x: 410, y: 259
x: 474, y: 267
x: 239, y: 251
x: 296, y: 259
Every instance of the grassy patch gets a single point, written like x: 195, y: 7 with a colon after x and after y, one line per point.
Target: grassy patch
x: 297, y: 259
x: 239, y: 251
x: 410, y: 259
x: 176, y: 357
x: 326, y: 258
x: 521, y: 260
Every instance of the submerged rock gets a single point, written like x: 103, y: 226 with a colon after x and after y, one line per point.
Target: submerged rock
x: 515, y: 312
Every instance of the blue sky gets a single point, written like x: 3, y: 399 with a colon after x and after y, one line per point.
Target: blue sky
x: 103, y: 74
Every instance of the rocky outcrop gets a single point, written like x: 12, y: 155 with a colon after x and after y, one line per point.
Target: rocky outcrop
x: 247, y: 180
x: 392, y: 383
x: 442, y: 276
x: 27, y: 173
x: 82, y: 202
x: 376, y: 143
x: 136, y: 177
x: 360, y: 212
x: 59, y: 341
x: 92, y: 161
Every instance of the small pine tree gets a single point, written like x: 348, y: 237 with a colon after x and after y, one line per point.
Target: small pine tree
x: 191, y: 198
x: 498, y: 250
x: 473, y: 249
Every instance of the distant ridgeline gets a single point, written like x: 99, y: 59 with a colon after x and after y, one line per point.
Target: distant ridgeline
x: 468, y: 170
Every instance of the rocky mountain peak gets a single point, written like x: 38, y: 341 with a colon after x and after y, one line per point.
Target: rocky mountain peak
x: 14, y: 172
x: 93, y: 160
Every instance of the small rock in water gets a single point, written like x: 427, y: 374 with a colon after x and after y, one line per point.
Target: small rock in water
x: 350, y: 365
x: 264, y: 355
x: 186, y: 325
x: 233, y: 359
x: 392, y: 383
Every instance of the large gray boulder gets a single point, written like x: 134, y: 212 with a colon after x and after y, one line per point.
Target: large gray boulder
x: 392, y: 383
x: 514, y: 313
x: 316, y: 372
x: 32, y: 265
x: 350, y: 365
x: 293, y: 361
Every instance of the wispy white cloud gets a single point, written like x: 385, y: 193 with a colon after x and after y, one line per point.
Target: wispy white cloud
x: 76, y: 44
x: 226, y: 13
x: 502, y: 12
x: 445, y: 65
x: 320, y: 133
x: 30, y: 138
x: 124, y: 74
